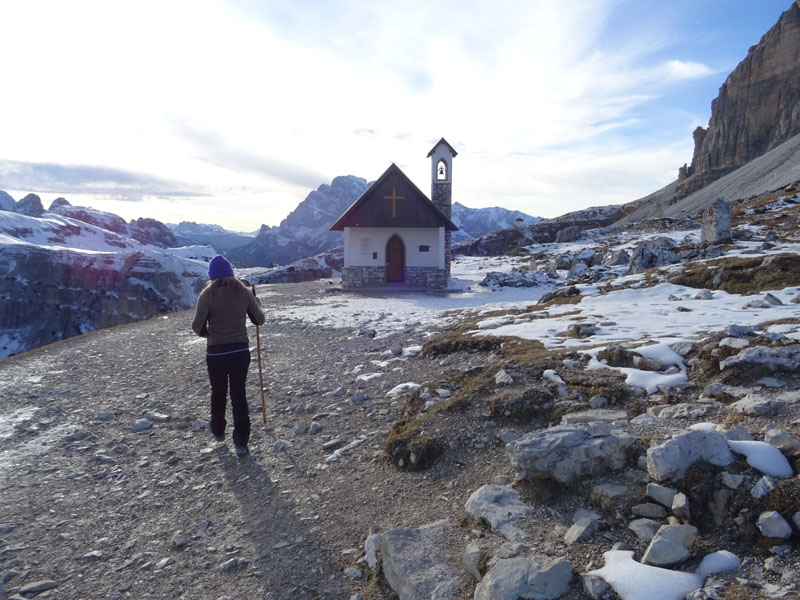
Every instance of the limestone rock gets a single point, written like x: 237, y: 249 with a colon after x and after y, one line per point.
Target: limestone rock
x: 471, y: 558
x: 649, y: 510
x: 537, y: 577
x: 568, y: 452
x: 783, y: 441
x: 680, y: 507
x: 419, y: 563
x: 783, y: 358
x: 755, y: 406
x: 580, y: 530
x: 661, y: 494
x: 671, y: 459
x: 772, y: 525
x: 645, y: 529
x: 501, y: 507
x: 656, y: 252
x: 716, y: 224
x: 671, y: 545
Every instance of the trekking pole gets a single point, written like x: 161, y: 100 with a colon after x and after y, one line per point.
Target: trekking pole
x: 260, y: 375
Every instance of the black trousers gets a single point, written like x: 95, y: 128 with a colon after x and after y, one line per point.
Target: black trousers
x: 230, y: 368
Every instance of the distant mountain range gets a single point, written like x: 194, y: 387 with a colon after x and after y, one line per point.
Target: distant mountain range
x: 306, y: 231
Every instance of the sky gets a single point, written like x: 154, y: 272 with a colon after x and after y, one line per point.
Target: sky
x: 231, y: 112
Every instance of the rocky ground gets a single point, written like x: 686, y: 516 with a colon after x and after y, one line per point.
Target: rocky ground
x: 112, y: 487
x: 106, y: 511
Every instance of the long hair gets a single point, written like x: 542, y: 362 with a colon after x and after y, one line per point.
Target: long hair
x: 226, y: 283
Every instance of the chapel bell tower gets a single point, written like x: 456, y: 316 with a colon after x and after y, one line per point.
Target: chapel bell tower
x: 442, y: 155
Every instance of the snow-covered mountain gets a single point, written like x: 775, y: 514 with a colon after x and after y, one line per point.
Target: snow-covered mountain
x: 60, y: 277
x: 475, y: 222
x: 189, y: 233
x: 306, y: 231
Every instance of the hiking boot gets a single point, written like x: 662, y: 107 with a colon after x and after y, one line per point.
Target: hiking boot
x: 219, y: 438
x: 242, y: 450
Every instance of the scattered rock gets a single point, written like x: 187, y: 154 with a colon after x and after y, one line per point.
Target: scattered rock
x: 772, y: 525
x: 535, y: 577
x: 671, y: 545
x: 671, y: 459
x: 501, y: 507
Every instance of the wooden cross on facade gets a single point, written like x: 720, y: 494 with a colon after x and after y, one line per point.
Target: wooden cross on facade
x: 394, y: 197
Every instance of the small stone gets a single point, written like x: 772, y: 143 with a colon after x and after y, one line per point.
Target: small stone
x: 471, y: 558
x: 649, y: 510
x: 732, y: 480
x: 358, y: 399
x: 161, y: 564
x: 444, y: 393
x: 645, y: 529
x: 763, y: 487
x: 107, y: 415
x: 772, y: 525
x: 680, y: 507
x: 179, y: 540
x: 315, y: 428
x: 353, y: 573
x: 503, y: 378
x: 93, y: 555
x: 300, y: 429
x: 280, y: 446
x: 671, y: 545
x: 582, y: 529
x: 37, y: 587
x: 141, y: 425
x: 661, y: 494
x: 231, y: 565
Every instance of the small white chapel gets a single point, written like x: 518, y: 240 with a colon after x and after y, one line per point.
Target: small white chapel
x: 395, y: 236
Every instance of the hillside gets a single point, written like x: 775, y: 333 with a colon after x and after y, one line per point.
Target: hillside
x: 61, y: 277
x: 750, y: 146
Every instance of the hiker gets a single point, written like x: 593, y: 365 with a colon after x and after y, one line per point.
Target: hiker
x: 222, y: 308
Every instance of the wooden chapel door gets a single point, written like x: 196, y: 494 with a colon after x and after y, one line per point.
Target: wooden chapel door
x: 395, y: 259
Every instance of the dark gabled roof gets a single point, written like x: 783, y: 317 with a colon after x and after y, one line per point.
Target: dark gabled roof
x: 443, y: 141
x: 393, y: 201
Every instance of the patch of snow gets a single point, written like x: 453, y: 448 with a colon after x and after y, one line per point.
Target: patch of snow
x: 634, y: 581
x: 764, y: 457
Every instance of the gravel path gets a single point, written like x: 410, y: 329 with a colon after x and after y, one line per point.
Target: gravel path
x: 104, y: 511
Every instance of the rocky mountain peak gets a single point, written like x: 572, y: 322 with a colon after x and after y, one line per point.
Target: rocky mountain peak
x: 30, y: 205
x: 6, y: 201
x: 152, y: 233
x: 58, y: 203
x: 757, y: 109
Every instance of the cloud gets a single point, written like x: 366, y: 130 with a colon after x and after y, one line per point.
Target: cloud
x: 212, y: 148
x: 88, y: 179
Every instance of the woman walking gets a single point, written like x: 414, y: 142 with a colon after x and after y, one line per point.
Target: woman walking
x: 222, y: 309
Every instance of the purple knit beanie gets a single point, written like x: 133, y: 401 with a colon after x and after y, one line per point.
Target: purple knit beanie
x: 219, y: 267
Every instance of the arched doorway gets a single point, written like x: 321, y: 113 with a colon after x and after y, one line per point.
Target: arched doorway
x: 395, y: 259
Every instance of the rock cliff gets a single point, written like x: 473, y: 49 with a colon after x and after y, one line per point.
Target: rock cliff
x: 758, y: 107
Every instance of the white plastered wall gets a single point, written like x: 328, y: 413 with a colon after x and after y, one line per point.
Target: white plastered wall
x: 362, y: 243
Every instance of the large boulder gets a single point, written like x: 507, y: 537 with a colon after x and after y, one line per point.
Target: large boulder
x: 673, y: 458
x: 716, y: 224
x: 657, y: 252
x: 534, y: 578
x: 569, y: 452
x: 425, y: 562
